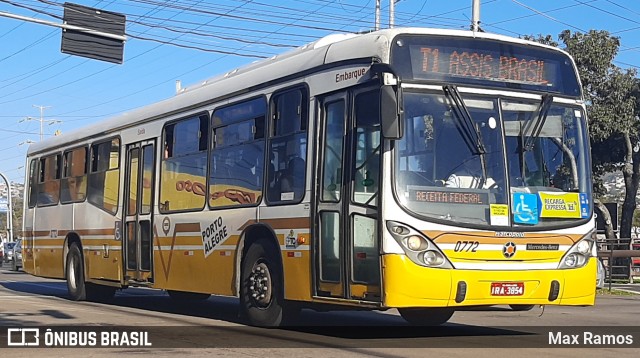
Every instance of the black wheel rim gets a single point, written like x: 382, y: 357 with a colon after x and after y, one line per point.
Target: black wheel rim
x: 260, y: 285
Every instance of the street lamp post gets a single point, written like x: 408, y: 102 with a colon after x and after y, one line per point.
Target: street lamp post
x: 42, y: 120
x: 9, y: 209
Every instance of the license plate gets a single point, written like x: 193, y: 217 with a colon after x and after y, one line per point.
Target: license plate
x: 507, y: 288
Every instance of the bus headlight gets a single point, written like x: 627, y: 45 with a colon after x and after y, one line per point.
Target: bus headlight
x: 415, y: 243
x: 571, y: 260
x: 433, y: 258
x: 418, y: 248
x: 578, y: 255
x: 583, y: 247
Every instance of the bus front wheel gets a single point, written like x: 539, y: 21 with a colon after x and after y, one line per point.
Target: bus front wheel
x: 426, y: 316
x: 261, y: 291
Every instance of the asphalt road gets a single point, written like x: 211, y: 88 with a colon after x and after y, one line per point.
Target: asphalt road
x: 213, y: 327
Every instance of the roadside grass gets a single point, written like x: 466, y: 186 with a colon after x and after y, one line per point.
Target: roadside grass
x: 613, y: 292
x: 635, y: 280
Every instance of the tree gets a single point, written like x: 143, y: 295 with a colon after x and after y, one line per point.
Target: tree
x: 16, y: 219
x: 543, y: 39
x: 612, y: 108
x: 17, y: 215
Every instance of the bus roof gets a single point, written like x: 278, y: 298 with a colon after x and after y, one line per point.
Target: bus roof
x: 329, y: 49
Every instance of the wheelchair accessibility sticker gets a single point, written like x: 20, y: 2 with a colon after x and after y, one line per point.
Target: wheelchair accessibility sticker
x: 525, y: 208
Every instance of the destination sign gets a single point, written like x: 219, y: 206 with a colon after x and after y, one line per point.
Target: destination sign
x: 483, y: 65
x: 450, y: 197
x: 483, y: 62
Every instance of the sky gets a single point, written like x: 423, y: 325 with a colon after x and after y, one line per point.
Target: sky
x: 193, y: 40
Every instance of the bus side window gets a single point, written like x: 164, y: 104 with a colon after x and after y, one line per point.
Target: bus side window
x: 33, y: 183
x: 184, y: 163
x: 288, y: 143
x: 74, y: 176
x: 49, y: 183
x: 236, y: 174
x: 104, y: 176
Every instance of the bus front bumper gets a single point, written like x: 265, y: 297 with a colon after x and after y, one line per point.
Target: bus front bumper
x: 409, y: 285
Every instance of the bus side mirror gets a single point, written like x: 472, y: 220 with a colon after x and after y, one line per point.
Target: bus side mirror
x: 391, y: 117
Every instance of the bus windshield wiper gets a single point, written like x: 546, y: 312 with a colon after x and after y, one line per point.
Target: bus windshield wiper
x: 470, y: 132
x: 533, y: 127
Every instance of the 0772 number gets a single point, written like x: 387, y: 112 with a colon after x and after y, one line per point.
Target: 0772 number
x: 466, y: 246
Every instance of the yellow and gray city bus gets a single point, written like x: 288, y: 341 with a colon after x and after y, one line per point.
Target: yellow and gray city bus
x: 332, y: 176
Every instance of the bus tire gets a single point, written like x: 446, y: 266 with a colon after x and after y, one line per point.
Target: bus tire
x: 261, y: 290
x: 522, y: 307
x: 181, y: 296
x: 75, y: 274
x: 79, y: 289
x: 426, y: 316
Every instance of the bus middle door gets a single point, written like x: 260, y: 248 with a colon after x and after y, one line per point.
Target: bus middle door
x: 138, y: 204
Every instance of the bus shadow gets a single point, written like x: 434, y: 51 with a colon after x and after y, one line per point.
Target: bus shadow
x: 340, y: 328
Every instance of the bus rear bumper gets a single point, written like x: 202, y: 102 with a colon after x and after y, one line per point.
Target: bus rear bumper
x: 409, y: 285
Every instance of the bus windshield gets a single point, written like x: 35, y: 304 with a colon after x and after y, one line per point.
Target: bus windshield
x: 532, y: 169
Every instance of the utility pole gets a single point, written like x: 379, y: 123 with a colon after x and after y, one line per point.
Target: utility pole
x: 392, y: 12
x: 9, y: 210
x: 377, y: 27
x: 42, y: 108
x: 475, y: 20
x: 42, y: 120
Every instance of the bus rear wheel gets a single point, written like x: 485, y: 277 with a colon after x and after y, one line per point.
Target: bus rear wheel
x: 79, y: 290
x: 426, y: 316
x: 261, y: 290
x: 75, y: 274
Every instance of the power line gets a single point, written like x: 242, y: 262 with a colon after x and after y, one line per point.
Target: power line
x: 203, y: 34
x: 29, y: 74
x: 622, y: 47
x: 195, y: 47
x: 535, y: 13
x: 19, y: 132
x: 543, y: 14
x: 607, y: 11
x: 623, y: 7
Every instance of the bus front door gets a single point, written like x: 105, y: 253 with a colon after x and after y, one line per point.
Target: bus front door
x: 347, y: 253
x: 138, y: 204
